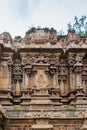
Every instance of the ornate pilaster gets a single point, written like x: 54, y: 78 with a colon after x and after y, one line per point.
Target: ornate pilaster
x: 62, y: 88
x: 84, y: 78
x: 27, y: 72
x: 10, y: 65
x: 71, y: 62
x: 34, y: 71
x: 78, y: 66
x: 57, y: 78
x: 23, y: 82
x: 84, y: 85
x: 47, y: 77
x: 62, y: 77
x: 53, y: 76
x: 17, y: 78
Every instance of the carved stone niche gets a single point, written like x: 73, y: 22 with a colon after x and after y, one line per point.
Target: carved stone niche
x: 40, y: 82
x: 41, y: 78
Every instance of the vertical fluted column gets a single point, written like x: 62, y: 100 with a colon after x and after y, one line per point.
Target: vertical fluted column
x: 26, y: 80
x: 54, y: 80
x: 78, y: 73
x: 71, y: 61
x: 78, y: 80
x: 57, y: 80
x: 9, y: 78
x: 27, y: 72
x: 84, y: 85
x: 71, y: 79
x: 62, y: 86
x: 10, y: 65
x: 53, y: 76
x: 17, y: 89
x: 23, y: 83
x: 63, y: 78
x: 78, y: 66
x: 34, y: 78
x: 74, y: 80
x: 47, y: 77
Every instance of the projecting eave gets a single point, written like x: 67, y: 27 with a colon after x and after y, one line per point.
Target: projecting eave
x: 76, y: 50
x: 47, y: 50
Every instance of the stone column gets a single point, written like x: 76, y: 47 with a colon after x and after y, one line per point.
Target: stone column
x: 47, y: 77
x: 10, y: 65
x: 53, y: 76
x: 28, y: 76
x: 57, y: 81
x: 18, y: 85
x: 62, y: 86
x: 23, y: 83
x: 26, y: 80
x: 84, y: 85
x: 78, y: 76
x: 71, y: 79
x: 78, y: 80
x: 71, y: 62
x: 27, y: 72
x: 9, y: 78
x: 74, y: 80
x: 54, y: 80
x: 78, y: 69
x: 34, y: 78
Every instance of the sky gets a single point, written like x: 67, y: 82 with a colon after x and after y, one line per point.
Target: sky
x: 17, y: 16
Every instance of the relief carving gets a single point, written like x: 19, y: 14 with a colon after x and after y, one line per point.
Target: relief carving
x: 41, y: 81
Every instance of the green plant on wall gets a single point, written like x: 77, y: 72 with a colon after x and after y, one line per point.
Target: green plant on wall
x: 16, y: 108
x: 69, y: 107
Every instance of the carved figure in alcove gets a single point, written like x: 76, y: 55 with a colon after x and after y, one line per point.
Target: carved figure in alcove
x: 41, y: 81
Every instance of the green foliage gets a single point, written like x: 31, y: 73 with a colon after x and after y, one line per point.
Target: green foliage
x: 79, y: 25
x: 69, y: 26
x: 16, y: 108
x: 69, y: 107
x: 61, y: 32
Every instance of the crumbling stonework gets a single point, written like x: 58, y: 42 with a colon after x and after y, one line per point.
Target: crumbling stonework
x: 43, y: 81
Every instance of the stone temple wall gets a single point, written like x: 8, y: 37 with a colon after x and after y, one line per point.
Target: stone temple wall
x: 43, y: 81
